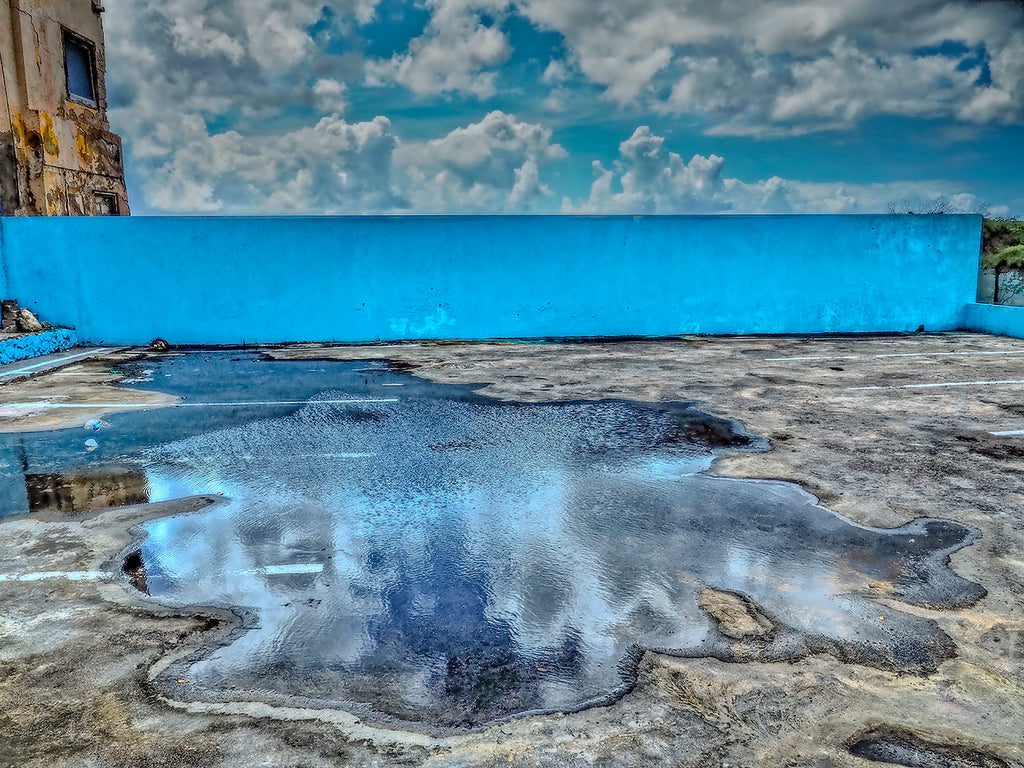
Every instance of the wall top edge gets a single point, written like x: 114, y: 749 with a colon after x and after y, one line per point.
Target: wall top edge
x: 505, y: 216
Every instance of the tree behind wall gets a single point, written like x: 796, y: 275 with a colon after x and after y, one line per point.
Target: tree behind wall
x: 1009, y: 259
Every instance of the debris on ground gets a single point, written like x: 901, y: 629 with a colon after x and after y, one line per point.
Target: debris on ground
x: 8, y: 316
x: 28, y: 322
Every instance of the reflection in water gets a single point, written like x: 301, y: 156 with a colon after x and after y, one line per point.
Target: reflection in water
x: 483, y: 559
x: 73, y: 494
x: 448, y: 560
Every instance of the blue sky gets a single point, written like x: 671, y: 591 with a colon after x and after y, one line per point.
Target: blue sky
x: 595, y: 106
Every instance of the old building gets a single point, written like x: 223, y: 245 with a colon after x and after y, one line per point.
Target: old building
x: 57, y: 154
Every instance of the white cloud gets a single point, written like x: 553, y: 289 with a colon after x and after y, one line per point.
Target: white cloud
x: 330, y: 96
x: 231, y: 106
x: 764, y: 67
x: 648, y: 178
x: 331, y: 167
x: 458, y: 51
x: 490, y: 165
x: 778, y: 66
x: 337, y: 167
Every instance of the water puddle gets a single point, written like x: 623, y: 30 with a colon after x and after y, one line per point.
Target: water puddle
x: 425, y: 555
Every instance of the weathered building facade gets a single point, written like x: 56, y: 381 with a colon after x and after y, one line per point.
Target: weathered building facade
x: 58, y: 156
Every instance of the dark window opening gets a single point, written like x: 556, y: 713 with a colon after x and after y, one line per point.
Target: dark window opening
x: 106, y: 204
x: 80, y: 66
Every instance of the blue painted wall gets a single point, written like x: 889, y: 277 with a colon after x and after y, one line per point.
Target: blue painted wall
x: 997, y: 319
x: 233, y: 280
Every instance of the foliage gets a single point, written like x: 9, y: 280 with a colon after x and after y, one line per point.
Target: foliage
x: 934, y: 206
x: 998, y: 234
x: 1011, y: 257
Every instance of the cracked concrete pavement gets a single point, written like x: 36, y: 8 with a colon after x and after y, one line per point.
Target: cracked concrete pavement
x: 882, y: 429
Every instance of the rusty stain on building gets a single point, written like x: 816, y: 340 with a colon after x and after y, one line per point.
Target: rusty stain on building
x: 58, y: 156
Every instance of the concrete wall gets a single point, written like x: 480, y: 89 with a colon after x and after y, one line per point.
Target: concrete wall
x: 234, y: 280
x: 1000, y: 320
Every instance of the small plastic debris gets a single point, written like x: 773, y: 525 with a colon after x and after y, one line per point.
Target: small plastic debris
x: 181, y: 681
x: 117, y: 370
x: 91, y: 445
x: 93, y: 424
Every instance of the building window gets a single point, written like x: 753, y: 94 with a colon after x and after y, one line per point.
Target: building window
x: 80, y: 67
x: 106, y: 204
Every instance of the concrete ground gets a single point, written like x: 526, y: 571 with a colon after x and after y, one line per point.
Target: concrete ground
x: 881, y: 429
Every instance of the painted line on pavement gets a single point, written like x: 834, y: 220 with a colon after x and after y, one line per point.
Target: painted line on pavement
x: 954, y: 354
x: 276, y: 570
x: 59, y: 360
x: 821, y: 357
x: 899, y: 354
x: 45, y: 575
x: 84, y: 373
x: 1008, y: 432
x: 254, y: 403
x: 268, y: 570
x: 942, y: 384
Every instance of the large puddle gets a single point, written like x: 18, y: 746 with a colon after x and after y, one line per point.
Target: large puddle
x: 418, y: 553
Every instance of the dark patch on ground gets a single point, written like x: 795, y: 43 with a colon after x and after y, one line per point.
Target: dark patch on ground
x: 900, y: 747
x: 135, y: 569
x: 711, y: 431
x: 1001, y: 451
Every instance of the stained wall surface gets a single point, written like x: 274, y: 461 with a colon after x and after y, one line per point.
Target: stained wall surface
x: 58, y: 156
x: 363, y: 279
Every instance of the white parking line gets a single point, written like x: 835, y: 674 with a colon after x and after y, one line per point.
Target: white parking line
x: 253, y: 403
x: 1008, y: 433
x: 822, y: 357
x: 954, y: 354
x: 275, y: 570
x: 59, y: 360
x: 268, y: 570
x: 307, y: 347
x: 899, y: 354
x: 286, y: 402
x: 943, y: 384
x: 69, y: 575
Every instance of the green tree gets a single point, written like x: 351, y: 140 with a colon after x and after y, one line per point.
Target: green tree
x: 998, y: 234
x: 1009, y: 259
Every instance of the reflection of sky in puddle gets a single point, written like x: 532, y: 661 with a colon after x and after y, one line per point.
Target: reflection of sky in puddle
x: 482, y: 559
